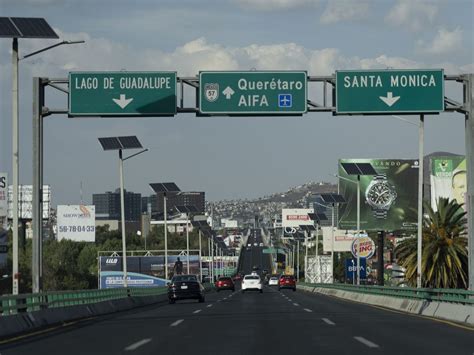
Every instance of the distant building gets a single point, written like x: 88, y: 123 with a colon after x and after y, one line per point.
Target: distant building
x: 196, y: 199
x: 107, y: 205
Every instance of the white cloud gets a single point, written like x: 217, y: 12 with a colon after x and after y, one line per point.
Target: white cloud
x: 445, y: 42
x: 344, y: 10
x: 274, y: 5
x: 413, y: 14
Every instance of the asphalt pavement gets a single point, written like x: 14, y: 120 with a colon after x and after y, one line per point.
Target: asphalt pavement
x: 252, y: 323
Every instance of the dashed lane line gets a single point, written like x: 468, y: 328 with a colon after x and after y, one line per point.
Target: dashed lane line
x: 366, y: 342
x: 136, y: 345
x: 179, y: 321
x: 197, y: 311
x: 295, y: 304
x: 327, y: 321
x: 209, y: 305
x: 308, y: 310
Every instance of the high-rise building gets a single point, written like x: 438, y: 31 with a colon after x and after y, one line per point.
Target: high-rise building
x: 196, y: 199
x: 107, y: 205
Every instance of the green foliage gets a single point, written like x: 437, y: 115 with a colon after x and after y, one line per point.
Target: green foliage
x: 444, y: 257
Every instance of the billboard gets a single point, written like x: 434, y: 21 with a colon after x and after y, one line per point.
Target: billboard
x: 294, y: 217
x: 142, y: 271
x: 342, y: 239
x: 3, y: 194
x: 76, y: 222
x: 366, y: 248
x: 351, y: 269
x: 448, y: 178
x: 389, y: 200
x: 25, y: 201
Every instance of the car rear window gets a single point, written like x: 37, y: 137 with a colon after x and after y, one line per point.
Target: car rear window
x: 273, y: 278
x: 251, y: 277
x: 182, y: 278
x: 286, y: 277
x: 225, y: 279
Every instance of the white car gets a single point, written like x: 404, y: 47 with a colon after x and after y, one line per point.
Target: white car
x: 252, y: 282
x: 273, y: 281
x: 261, y: 244
x: 255, y: 244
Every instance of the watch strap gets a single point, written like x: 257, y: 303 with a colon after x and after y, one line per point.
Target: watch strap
x: 380, y: 214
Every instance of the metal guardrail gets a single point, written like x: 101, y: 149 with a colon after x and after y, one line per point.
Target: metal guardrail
x: 13, y: 304
x: 429, y: 294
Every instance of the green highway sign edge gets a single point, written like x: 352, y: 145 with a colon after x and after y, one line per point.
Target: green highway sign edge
x: 387, y: 112
x: 250, y: 113
x: 99, y: 114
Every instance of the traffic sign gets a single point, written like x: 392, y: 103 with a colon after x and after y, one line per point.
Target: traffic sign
x: 253, y: 92
x: 122, y: 93
x: 389, y: 91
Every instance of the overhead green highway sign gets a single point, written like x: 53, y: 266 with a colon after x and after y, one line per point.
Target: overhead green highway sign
x: 389, y: 91
x: 252, y: 92
x: 122, y: 93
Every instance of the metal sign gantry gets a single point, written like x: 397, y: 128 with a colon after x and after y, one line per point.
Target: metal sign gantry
x: 320, y: 97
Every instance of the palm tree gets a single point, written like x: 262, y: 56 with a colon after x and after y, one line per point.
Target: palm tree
x: 444, y: 259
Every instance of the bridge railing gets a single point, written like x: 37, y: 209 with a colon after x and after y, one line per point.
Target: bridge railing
x: 13, y: 304
x: 429, y: 294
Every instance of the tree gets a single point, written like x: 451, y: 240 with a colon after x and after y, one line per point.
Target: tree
x: 445, y: 256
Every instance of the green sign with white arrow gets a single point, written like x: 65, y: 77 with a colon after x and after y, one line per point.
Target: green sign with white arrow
x: 253, y: 92
x: 389, y: 91
x: 122, y: 93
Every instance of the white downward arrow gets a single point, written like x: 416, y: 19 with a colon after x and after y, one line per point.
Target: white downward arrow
x: 228, y: 92
x: 122, y: 102
x: 390, y: 99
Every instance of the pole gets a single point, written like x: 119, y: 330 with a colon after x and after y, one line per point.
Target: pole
x: 200, y: 255
x: 469, y: 124
x: 358, y: 230
x: 332, y: 243
x: 419, y: 252
x: 297, y: 259
x: 187, y: 241
x: 36, y: 217
x: 15, y: 159
x: 306, y: 256
x: 122, y: 217
x: 212, y: 260
x: 380, y: 265
x: 166, y: 235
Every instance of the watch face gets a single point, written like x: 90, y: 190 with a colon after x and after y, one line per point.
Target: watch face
x: 380, y: 195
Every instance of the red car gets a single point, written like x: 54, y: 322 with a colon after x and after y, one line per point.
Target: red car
x: 287, y: 281
x: 225, y: 283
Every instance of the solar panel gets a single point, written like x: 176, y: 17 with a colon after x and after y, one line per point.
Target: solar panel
x: 313, y: 216
x: 327, y: 198
x: 311, y: 228
x: 110, y: 143
x: 339, y: 198
x: 8, y: 29
x: 31, y: 27
x: 192, y: 209
x: 130, y: 142
x: 171, y: 187
x: 182, y: 209
x: 351, y: 169
x: 322, y: 217
x: 366, y: 169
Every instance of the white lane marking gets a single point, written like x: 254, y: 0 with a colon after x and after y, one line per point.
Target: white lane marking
x: 290, y: 300
x: 366, y: 342
x: 209, y: 305
x: 219, y: 300
x: 225, y: 299
x: 137, y: 344
x: 179, y: 321
x: 295, y: 304
x: 327, y: 321
x: 308, y: 310
x: 197, y: 311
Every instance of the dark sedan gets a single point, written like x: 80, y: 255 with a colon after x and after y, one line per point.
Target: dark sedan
x: 185, y: 287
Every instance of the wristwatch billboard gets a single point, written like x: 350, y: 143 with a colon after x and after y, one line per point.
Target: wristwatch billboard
x: 380, y: 196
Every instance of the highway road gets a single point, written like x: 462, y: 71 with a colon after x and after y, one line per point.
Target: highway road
x: 274, y: 322
x: 253, y: 256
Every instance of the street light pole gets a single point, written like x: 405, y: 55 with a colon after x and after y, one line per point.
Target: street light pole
x: 166, y: 235
x: 122, y: 217
x: 420, y: 202
x: 187, y: 241
x: 200, y: 255
x: 358, y: 230
x: 15, y: 163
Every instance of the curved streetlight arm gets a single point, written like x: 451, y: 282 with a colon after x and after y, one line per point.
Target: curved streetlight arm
x: 343, y: 178
x: 49, y: 47
x: 134, y: 155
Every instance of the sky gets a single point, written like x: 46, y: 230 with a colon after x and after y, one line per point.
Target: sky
x: 229, y: 157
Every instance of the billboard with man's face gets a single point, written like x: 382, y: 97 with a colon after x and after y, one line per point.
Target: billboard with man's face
x: 448, y: 178
x: 388, y: 200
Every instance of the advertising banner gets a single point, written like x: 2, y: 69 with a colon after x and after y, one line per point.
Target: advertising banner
x: 342, y: 239
x: 76, y: 222
x: 25, y: 201
x: 3, y: 195
x: 351, y: 269
x: 448, y: 178
x: 366, y: 247
x: 143, y: 271
x: 388, y: 200
x: 294, y: 217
